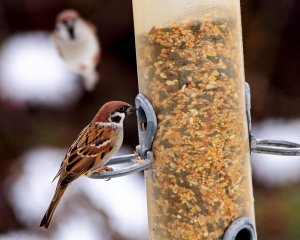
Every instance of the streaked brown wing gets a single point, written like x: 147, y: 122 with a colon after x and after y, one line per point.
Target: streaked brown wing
x: 91, y: 146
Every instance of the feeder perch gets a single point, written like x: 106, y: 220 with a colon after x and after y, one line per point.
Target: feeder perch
x: 268, y: 146
x: 147, y: 125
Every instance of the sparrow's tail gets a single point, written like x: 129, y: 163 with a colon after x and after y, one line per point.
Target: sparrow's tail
x: 90, y: 80
x: 50, y: 211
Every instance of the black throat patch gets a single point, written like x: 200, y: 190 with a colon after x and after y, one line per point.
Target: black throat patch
x: 71, y: 33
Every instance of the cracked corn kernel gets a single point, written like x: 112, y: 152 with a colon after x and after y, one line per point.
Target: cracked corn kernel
x: 200, y: 180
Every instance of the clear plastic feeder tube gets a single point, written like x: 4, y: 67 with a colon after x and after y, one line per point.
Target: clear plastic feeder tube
x: 190, y: 67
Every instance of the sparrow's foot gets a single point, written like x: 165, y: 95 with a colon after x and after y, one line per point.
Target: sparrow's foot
x: 105, y: 169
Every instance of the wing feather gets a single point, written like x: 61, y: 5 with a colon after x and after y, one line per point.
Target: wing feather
x: 89, y: 149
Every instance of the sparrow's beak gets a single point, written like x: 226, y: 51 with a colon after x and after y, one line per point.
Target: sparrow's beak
x: 130, y: 110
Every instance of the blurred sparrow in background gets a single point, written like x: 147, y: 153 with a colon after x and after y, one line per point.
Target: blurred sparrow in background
x: 76, y: 41
x: 95, y: 145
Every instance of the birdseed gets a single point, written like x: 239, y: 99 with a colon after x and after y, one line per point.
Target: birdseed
x: 200, y: 181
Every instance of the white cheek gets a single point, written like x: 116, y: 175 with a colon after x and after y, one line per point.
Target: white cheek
x: 61, y: 31
x: 81, y: 29
x: 122, y: 116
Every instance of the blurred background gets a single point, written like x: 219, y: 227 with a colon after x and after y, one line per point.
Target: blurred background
x: 43, y: 106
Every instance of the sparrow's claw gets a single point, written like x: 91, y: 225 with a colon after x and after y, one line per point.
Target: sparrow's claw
x: 105, y: 169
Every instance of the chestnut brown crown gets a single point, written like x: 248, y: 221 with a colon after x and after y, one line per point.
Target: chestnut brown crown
x: 110, y: 107
x: 68, y: 14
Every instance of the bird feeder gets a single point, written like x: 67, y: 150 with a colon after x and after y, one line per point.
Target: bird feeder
x: 194, y: 121
x: 190, y: 67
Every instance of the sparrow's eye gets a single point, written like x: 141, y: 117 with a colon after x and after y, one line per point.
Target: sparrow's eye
x: 122, y: 109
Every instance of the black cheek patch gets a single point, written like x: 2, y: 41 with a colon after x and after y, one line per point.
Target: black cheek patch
x: 116, y: 119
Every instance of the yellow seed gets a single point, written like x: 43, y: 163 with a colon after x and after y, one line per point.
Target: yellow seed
x: 163, y: 75
x: 170, y: 83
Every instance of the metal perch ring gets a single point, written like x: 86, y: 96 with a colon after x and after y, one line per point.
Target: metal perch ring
x: 147, y: 125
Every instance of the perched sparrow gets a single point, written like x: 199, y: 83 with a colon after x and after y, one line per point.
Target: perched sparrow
x: 95, y: 145
x: 76, y: 41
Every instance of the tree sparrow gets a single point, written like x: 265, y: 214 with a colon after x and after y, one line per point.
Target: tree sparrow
x: 94, y: 146
x: 76, y: 41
